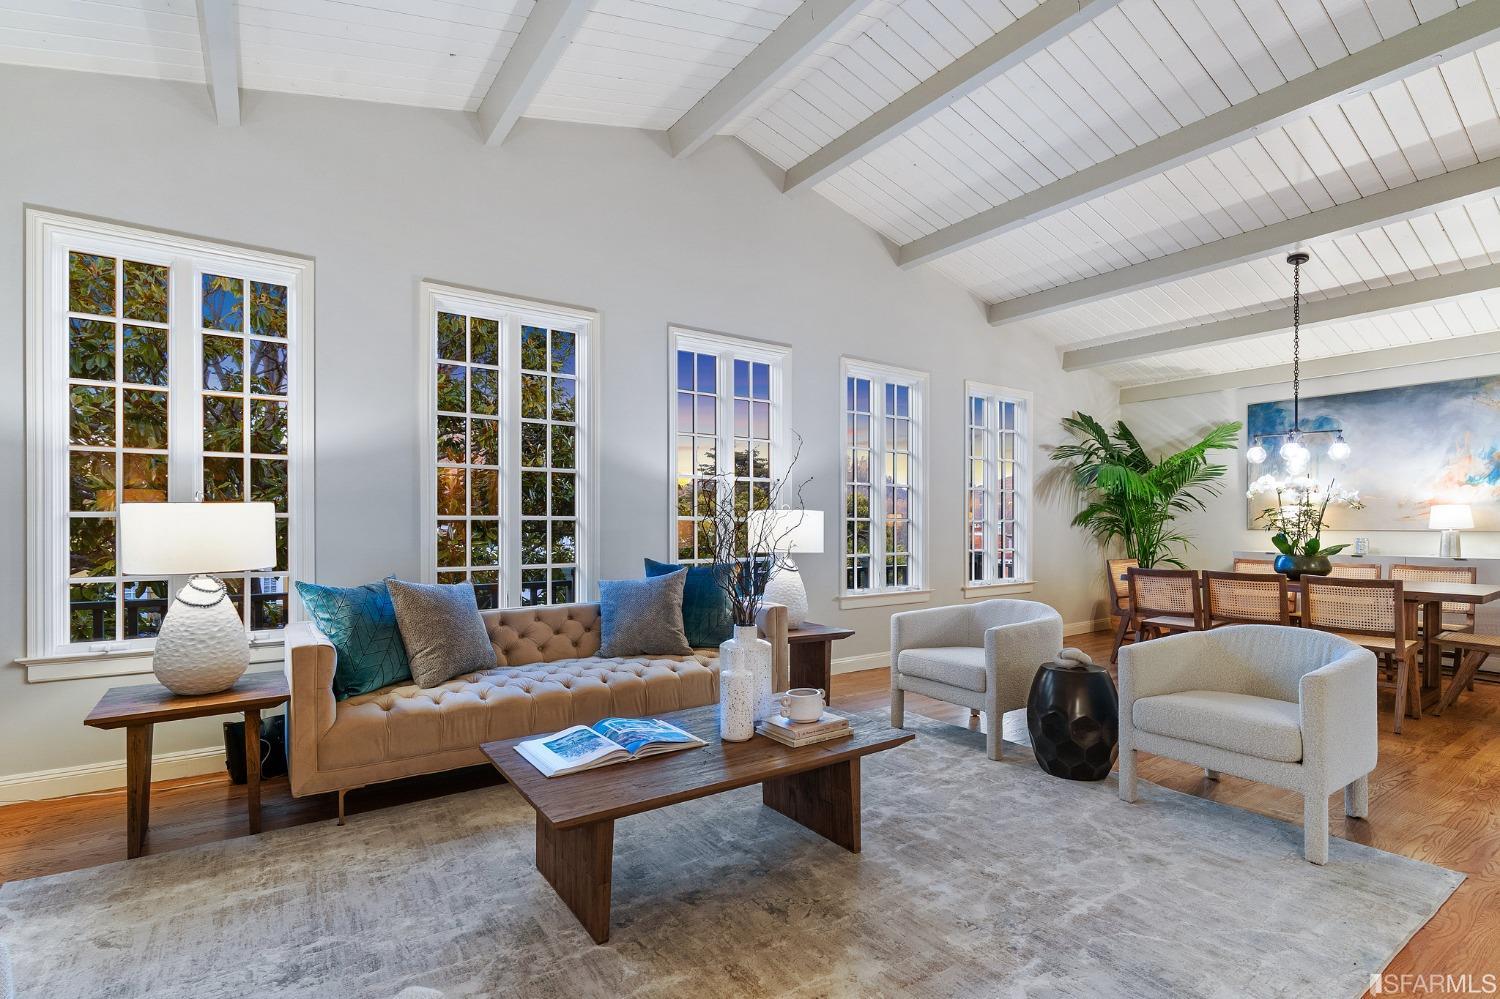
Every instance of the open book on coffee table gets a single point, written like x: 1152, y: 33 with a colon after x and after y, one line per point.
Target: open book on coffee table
x: 609, y: 741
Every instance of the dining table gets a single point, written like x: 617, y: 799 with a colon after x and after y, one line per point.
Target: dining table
x: 1430, y: 595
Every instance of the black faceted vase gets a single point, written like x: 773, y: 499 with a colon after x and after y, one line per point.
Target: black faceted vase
x: 1073, y: 714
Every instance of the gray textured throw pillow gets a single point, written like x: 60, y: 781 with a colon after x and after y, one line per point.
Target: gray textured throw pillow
x: 643, y: 617
x: 441, y: 629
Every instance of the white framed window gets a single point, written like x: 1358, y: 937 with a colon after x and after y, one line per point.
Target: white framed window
x: 159, y: 368
x: 998, y: 485
x: 728, y: 426
x: 510, y: 494
x: 883, y: 477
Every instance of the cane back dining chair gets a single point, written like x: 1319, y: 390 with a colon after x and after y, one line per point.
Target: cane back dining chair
x: 1119, y: 603
x: 1164, y: 601
x: 1263, y: 566
x: 1458, y: 618
x: 1356, y: 570
x: 1371, y: 613
x: 1244, y: 598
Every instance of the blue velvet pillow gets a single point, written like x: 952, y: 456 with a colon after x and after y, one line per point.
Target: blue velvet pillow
x: 360, y: 621
x: 705, y: 609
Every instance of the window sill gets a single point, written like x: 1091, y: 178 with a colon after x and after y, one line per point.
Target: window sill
x: 984, y: 591
x: 884, y: 598
x: 131, y: 662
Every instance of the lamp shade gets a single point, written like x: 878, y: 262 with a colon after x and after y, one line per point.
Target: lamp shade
x: 164, y: 539
x: 790, y: 530
x: 1451, y: 517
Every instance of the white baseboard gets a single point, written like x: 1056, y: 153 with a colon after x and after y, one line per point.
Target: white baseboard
x: 106, y: 776
x: 882, y: 660
x: 871, y: 660
x: 1084, y: 627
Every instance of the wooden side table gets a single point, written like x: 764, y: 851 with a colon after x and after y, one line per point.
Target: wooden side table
x: 137, y: 709
x: 812, y: 655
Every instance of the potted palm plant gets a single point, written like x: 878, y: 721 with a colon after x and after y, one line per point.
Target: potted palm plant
x: 1134, y: 500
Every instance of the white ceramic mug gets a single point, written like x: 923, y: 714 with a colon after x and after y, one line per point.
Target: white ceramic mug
x: 802, y: 704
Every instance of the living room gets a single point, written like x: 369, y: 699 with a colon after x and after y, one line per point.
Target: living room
x: 391, y: 385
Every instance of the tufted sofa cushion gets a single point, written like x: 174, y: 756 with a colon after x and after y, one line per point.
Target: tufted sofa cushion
x: 405, y: 720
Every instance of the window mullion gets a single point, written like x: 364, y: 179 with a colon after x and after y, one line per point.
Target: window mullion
x: 993, y: 508
x: 879, y: 480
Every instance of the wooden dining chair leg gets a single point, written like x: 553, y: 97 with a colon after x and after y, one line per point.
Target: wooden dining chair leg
x: 1468, y: 666
x: 1414, y: 695
x: 1114, y: 653
x: 1403, y: 682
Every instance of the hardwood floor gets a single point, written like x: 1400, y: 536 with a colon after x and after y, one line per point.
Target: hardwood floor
x: 1434, y: 797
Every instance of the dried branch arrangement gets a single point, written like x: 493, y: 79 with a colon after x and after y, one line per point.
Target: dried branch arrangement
x: 747, y: 551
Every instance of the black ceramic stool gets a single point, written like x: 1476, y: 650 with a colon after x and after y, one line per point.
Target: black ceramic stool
x: 1073, y: 714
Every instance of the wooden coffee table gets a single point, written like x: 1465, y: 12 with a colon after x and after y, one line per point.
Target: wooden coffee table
x: 817, y: 786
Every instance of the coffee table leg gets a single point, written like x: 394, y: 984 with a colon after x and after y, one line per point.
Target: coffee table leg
x: 825, y: 800
x: 252, y: 768
x: 578, y: 863
x: 137, y: 788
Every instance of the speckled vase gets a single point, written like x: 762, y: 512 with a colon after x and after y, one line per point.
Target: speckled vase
x: 737, y: 695
x: 752, y: 653
x: 202, y: 647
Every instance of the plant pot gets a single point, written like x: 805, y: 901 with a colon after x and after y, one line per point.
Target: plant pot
x: 1296, y: 566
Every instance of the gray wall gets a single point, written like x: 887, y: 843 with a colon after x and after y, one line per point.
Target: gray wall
x: 382, y: 196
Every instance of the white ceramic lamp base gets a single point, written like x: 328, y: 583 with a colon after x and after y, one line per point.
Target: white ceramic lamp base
x: 785, y: 587
x: 202, y: 647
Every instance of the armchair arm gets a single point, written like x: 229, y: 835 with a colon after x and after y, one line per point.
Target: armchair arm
x: 1162, y: 666
x: 1339, y: 717
x: 1014, y: 652
x: 309, y: 661
x: 773, y: 628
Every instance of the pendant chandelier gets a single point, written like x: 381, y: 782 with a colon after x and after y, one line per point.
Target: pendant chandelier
x: 1293, y: 451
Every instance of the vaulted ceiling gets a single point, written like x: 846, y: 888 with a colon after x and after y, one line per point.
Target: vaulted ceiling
x: 1123, y: 177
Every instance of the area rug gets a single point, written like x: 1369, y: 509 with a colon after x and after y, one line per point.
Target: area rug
x: 978, y: 878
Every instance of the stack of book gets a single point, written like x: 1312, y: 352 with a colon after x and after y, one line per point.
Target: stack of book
x: 789, y: 733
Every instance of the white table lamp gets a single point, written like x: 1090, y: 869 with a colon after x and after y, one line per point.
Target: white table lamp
x: 789, y: 531
x: 1450, y: 518
x: 202, y: 647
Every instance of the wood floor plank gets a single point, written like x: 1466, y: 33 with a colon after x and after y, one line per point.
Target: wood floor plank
x: 1435, y: 797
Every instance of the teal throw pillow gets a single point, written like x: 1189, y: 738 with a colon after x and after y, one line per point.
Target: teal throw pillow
x: 360, y: 621
x: 705, y: 608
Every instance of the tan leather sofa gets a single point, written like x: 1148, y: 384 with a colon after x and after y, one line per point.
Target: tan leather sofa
x: 547, y: 676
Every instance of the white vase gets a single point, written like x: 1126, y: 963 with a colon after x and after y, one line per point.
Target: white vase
x: 752, y: 654
x: 737, y: 696
x: 202, y: 647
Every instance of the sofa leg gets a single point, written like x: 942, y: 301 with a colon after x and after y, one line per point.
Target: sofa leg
x: 992, y: 739
x: 342, y: 792
x: 973, y: 714
x: 898, y: 708
x: 1210, y: 774
x: 1357, y: 798
x: 1315, y: 828
x: 1128, y: 789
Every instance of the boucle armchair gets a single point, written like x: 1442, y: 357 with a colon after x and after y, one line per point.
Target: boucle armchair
x: 982, y: 656
x: 1289, y: 707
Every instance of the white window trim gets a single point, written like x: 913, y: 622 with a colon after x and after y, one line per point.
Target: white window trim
x: 435, y: 296
x: 879, y: 595
x: 1026, y: 456
x: 725, y: 348
x: 48, y: 236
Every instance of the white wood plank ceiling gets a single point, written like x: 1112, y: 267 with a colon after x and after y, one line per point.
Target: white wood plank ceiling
x: 1094, y: 171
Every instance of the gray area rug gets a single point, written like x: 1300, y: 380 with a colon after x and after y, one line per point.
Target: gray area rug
x: 977, y: 879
